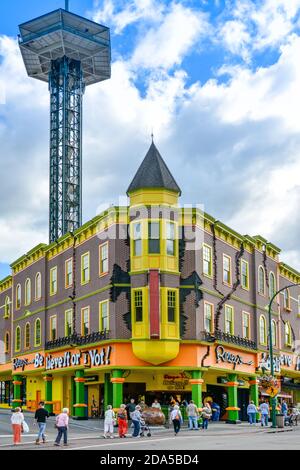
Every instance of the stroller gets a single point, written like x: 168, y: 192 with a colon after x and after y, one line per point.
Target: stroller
x: 144, y: 429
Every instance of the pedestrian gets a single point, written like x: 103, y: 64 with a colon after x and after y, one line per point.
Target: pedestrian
x: 206, y: 415
x: 176, y: 418
x: 17, y: 420
x: 109, y: 421
x: 192, y: 413
x: 264, y: 410
x: 122, y: 421
x: 215, y: 408
x: 251, y: 412
x: 62, y: 424
x: 130, y: 407
x: 156, y: 404
x: 40, y: 416
x: 136, y: 420
x: 284, y: 408
x: 143, y: 405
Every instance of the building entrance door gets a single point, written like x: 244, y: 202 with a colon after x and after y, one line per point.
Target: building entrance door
x: 38, y: 397
x: 243, y: 402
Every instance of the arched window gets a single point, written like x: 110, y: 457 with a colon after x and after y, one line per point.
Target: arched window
x: 18, y: 339
x: 261, y: 280
x: 38, y: 286
x: 27, y: 292
x: 6, y: 342
x: 274, y: 333
x: 7, y: 307
x: 18, y: 296
x: 272, y: 285
x: 37, y: 332
x: 262, y: 330
x: 286, y: 299
x: 27, y: 335
x: 287, y: 334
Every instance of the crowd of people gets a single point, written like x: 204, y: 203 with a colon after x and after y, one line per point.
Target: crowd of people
x: 130, y: 415
x: 262, y: 411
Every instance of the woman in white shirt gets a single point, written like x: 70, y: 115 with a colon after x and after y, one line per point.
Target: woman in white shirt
x: 176, y: 418
x: 17, y: 419
x: 109, y: 420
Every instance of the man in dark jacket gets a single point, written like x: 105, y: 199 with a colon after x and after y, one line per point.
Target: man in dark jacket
x: 130, y: 408
x: 41, y: 415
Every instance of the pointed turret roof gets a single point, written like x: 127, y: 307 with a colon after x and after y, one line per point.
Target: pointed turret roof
x: 153, y: 173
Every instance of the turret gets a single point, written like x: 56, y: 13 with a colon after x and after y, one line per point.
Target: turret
x: 154, y: 260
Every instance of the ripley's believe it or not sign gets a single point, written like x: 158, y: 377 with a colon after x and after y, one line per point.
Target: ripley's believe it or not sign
x: 93, y: 357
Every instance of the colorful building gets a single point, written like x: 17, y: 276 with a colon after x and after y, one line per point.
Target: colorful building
x: 149, y: 300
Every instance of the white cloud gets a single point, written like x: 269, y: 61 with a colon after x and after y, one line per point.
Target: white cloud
x: 253, y: 26
x: 166, y: 45
x: 120, y: 14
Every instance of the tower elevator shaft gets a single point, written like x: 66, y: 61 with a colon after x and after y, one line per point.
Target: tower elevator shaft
x: 66, y: 88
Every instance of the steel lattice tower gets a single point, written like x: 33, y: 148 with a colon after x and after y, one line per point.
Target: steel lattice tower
x: 69, y: 52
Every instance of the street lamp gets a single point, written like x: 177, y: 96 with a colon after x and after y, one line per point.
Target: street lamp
x: 273, y: 399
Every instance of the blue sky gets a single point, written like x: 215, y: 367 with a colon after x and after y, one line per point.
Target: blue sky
x: 217, y: 81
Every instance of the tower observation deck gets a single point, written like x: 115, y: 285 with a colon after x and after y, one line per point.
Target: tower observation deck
x: 69, y: 52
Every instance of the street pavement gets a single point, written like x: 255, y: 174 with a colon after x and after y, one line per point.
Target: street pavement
x: 87, y: 435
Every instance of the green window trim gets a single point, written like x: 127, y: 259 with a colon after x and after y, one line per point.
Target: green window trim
x: 18, y: 339
x: 85, y: 321
x: 229, y: 319
x: 38, y: 287
x: 208, y: 317
x: 37, y: 332
x: 227, y: 274
x: 261, y: 280
x: 18, y: 297
x: 68, y: 273
x: 287, y: 334
x: 7, y: 307
x: 103, y: 259
x: 262, y: 330
x: 286, y: 300
x: 104, y: 315
x: 27, y: 292
x: 68, y: 322
x: 6, y: 342
x: 244, y: 274
x: 53, y: 328
x: 272, y: 284
x: 207, y: 267
x: 53, y: 280
x: 85, y: 268
x: 27, y: 336
x: 246, y: 325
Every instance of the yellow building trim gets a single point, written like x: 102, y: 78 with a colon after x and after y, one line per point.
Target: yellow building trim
x: 153, y: 197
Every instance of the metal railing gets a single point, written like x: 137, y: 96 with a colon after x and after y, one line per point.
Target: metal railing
x: 78, y: 340
x: 228, y: 338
